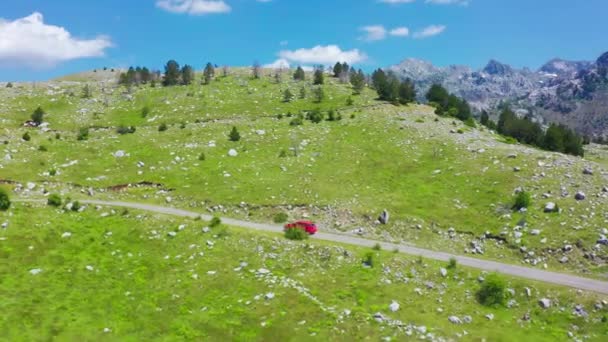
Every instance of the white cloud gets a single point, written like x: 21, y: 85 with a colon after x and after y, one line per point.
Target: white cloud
x: 448, y: 2
x: 400, y: 32
x: 373, y: 33
x: 429, y: 31
x: 278, y: 64
x: 323, y: 55
x: 194, y: 7
x: 30, y: 42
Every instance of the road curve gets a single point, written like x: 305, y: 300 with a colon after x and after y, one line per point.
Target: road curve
x: 487, y: 265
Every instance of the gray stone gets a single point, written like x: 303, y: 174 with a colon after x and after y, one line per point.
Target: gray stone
x: 444, y: 272
x: 588, y: 171
x: 550, y: 207
x: 394, y: 306
x: 580, y: 196
x: 454, y: 320
x: 544, y: 303
x: 384, y: 217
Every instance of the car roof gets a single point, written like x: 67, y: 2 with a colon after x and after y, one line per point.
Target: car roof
x: 305, y: 222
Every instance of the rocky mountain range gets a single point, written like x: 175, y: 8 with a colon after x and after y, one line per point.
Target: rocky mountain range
x: 571, y: 92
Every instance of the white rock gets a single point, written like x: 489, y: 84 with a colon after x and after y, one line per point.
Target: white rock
x: 31, y: 186
x: 550, y: 207
x: 172, y: 234
x: 269, y: 295
x: 233, y: 153
x: 454, y: 320
x: 263, y: 271
x: 35, y: 271
x: 90, y: 268
x: 66, y: 235
x: 444, y: 272
x: 490, y: 316
x: 119, y: 154
x: 394, y: 306
x: 545, y: 303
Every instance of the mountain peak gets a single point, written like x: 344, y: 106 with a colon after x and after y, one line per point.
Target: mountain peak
x: 602, y: 61
x: 494, y: 67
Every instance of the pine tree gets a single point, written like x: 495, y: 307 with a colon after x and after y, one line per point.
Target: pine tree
x: 287, y: 95
x: 234, y: 135
x: 299, y: 74
x: 302, y: 93
x: 319, y: 77
x: 407, y: 92
x: 172, y: 74
x: 256, y: 70
x: 187, y: 74
x: 38, y: 115
x: 319, y: 94
x: 485, y: 118
x: 209, y: 73
x: 338, y: 69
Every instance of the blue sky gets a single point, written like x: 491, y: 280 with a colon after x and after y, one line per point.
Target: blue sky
x: 40, y: 39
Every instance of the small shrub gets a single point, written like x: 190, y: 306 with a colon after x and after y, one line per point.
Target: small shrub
x: 201, y: 156
x: 331, y: 115
x: 297, y: 121
x: 377, y: 247
x: 38, y: 115
x: 57, y: 136
x: 182, y: 125
x: 352, y: 116
x: 223, y: 232
x: 470, y: 122
x: 420, y: 120
x: 460, y: 131
x: 26, y: 136
x: 296, y: 234
x: 452, y: 264
x: 52, y: 172
x: 368, y: 259
x: 54, y: 200
x: 280, y: 218
x: 492, y: 291
x: 215, y: 221
x: 83, y: 134
x: 125, y: 212
x: 163, y: 127
x: 234, y: 135
x: 349, y: 101
x: 9, y: 85
x: 125, y: 130
x: 76, y: 206
x: 522, y: 200
x: 315, y: 116
x: 5, y: 201
x: 283, y: 154
x: 42, y: 148
x: 280, y: 116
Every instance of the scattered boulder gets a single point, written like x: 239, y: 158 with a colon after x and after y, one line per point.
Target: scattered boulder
x: 384, y: 217
x: 119, y: 154
x: 394, y: 306
x: 545, y: 303
x: 454, y: 320
x: 233, y: 153
x: 35, y: 271
x: 588, y: 171
x: 444, y: 272
x: 550, y: 207
x: 580, y: 196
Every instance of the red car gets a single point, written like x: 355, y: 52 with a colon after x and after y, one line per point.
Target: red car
x: 308, y: 226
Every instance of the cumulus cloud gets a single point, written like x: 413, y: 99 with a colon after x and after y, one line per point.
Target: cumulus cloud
x: 32, y: 43
x: 323, y: 55
x: 429, y: 31
x: 194, y: 7
x: 373, y: 33
x: 400, y: 32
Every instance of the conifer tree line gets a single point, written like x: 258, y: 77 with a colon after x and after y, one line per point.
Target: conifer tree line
x: 391, y: 88
x: 556, y: 138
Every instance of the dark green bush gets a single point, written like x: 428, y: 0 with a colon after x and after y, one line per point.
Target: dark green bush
x: 163, y: 127
x: 296, y: 234
x: 377, y: 247
x: 83, y: 134
x: 26, y: 136
x: 280, y: 218
x: 5, y: 201
x: 54, y: 200
x: 452, y: 264
x: 522, y: 200
x: 492, y: 291
x: 215, y: 221
x: 368, y: 259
